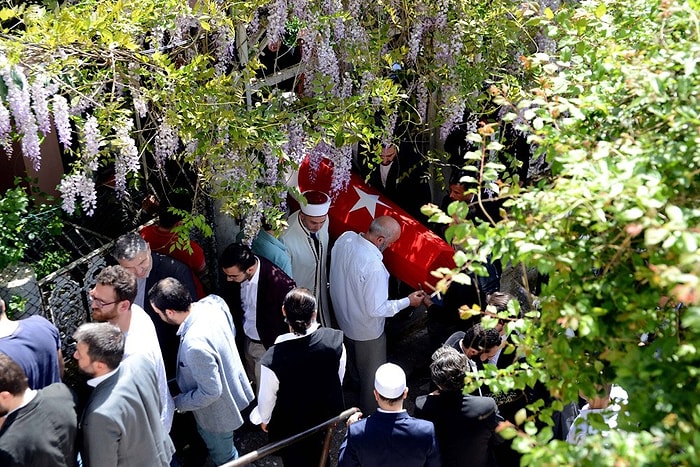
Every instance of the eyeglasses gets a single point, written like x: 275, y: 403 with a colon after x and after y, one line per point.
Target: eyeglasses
x: 100, y: 303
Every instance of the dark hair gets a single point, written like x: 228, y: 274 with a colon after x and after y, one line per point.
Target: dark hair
x: 128, y: 246
x: 478, y: 338
x: 491, y: 338
x: 299, y: 306
x: 499, y: 300
x: 105, y: 342
x: 448, y: 368
x: 391, y: 401
x: 181, y: 200
x: 456, y: 179
x: 170, y: 294
x: 12, y: 377
x: 239, y: 255
x: 122, y: 281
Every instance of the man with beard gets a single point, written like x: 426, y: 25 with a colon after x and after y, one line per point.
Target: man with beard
x: 360, y: 294
x: 121, y: 422
x: 133, y: 254
x: 210, y: 373
x: 112, y: 301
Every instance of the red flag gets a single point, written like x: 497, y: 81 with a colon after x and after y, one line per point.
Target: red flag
x: 417, y: 252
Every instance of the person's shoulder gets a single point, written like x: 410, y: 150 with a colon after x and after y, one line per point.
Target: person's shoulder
x: 37, y: 323
x: 37, y: 320
x: 333, y: 336
x: 164, y: 264
x: 274, y: 273
x: 357, y: 428
x: 347, y: 236
x: 420, y: 425
x: 211, y: 301
x: 57, y: 390
x: 482, y: 406
x: 330, y: 331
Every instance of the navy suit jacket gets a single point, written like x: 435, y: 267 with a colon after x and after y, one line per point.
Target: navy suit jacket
x: 390, y: 439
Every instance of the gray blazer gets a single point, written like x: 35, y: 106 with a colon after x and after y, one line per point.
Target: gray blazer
x: 210, y: 373
x: 121, y: 423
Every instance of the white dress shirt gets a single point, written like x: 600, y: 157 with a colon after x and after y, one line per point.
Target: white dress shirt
x: 249, y: 302
x: 269, y: 384
x: 360, y: 288
x: 141, y: 339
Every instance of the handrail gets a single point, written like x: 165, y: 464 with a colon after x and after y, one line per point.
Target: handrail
x: 274, y: 447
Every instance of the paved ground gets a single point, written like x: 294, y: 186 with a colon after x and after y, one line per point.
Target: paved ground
x: 408, y: 347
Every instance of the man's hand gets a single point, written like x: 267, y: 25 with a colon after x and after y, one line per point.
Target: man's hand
x: 353, y: 418
x: 416, y: 298
x: 264, y: 427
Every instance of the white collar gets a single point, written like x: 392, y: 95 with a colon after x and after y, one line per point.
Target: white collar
x: 98, y: 379
x: 27, y: 397
x: 291, y: 336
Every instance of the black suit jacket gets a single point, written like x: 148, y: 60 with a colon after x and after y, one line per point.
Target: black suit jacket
x: 165, y: 266
x: 464, y: 425
x: 273, y: 286
x: 404, y: 184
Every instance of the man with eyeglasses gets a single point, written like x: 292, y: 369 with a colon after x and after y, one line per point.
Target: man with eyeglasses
x: 133, y: 253
x: 113, y: 302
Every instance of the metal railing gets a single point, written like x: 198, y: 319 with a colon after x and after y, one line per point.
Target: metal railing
x: 274, y: 447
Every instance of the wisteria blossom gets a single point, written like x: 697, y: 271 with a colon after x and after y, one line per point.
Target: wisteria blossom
x: 422, y: 100
x: 253, y: 221
x: 271, y: 162
x: 18, y: 98
x: 93, y: 142
x: 40, y: 101
x: 127, y: 160
x: 61, y: 119
x: 389, y: 129
x: 276, y: 20
x: 342, y: 164
x: 327, y: 61
x: 300, y: 9
x: 294, y: 148
x: 453, y: 109
x: 254, y: 24
x: 166, y: 143
x: 415, y: 41
x: 5, y: 129
x: 76, y: 186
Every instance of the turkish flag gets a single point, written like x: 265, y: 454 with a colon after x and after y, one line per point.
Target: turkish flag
x: 417, y: 252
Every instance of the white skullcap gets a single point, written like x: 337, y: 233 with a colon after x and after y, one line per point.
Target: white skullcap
x: 317, y: 203
x: 390, y: 381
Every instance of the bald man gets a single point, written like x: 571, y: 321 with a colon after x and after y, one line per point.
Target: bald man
x: 360, y: 295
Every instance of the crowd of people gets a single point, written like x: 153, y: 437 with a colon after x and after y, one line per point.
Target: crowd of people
x: 172, y: 370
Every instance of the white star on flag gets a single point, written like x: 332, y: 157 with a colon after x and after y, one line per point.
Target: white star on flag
x: 367, y: 201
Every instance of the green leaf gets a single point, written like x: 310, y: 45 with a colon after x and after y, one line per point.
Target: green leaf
x: 600, y: 10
